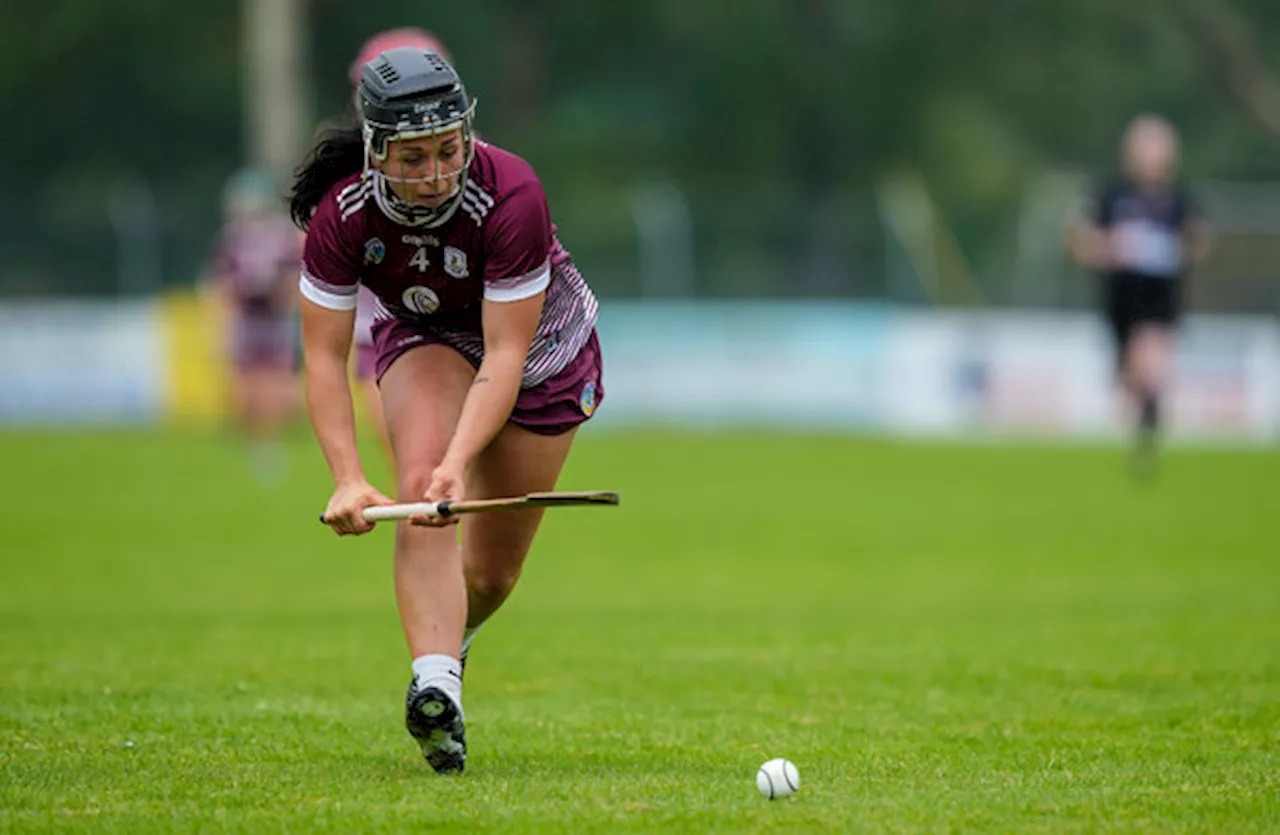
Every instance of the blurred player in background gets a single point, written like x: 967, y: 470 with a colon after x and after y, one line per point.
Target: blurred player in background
x: 365, y: 363
x: 252, y: 275
x: 1143, y: 234
x: 486, y: 353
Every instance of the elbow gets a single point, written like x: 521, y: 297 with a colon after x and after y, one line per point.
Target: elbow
x: 504, y: 369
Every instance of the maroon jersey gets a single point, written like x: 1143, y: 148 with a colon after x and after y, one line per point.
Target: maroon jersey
x: 500, y: 245
x: 255, y: 258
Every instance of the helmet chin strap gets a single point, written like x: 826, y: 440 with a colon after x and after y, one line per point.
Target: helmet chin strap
x: 404, y: 212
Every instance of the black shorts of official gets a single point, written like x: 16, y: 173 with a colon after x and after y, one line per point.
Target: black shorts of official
x: 1133, y: 299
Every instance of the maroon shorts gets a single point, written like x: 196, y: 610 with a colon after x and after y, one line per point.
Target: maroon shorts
x: 263, y: 342
x: 552, y: 407
x: 366, y: 360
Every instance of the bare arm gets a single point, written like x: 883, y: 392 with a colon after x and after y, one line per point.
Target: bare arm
x: 326, y: 342
x: 1089, y: 244
x: 508, y: 331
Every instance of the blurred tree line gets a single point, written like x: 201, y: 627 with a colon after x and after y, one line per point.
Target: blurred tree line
x: 777, y: 121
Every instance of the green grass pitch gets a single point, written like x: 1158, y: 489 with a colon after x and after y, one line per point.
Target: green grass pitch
x: 941, y: 637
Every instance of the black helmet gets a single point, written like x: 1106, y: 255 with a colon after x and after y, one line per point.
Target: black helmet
x: 406, y: 93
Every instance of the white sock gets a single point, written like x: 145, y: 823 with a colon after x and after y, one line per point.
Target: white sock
x: 468, y: 634
x: 441, y: 671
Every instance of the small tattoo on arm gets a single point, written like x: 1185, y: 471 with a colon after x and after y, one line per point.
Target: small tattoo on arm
x: 480, y: 380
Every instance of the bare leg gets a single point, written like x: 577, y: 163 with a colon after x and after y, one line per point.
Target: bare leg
x: 423, y: 393
x: 1148, y: 359
x: 1146, y: 368
x: 377, y: 416
x: 266, y: 398
x: 495, y: 545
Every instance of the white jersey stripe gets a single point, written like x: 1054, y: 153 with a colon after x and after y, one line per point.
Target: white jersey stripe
x: 473, y: 207
x: 330, y: 301
x: 350, y: 192
x: 355, y: 200
x: 326, y: 287
x: 353, y: 208
x: 480, y: 194
x: 526, y: 288
x: 568, y: 318
x: 538, y: 273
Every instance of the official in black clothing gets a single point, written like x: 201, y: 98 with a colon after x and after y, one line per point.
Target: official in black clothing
x: 1143, y: 234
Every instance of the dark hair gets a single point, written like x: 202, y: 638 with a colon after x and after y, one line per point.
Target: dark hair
x: 339, y: 152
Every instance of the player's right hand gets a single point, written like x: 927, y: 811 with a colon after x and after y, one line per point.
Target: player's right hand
x: 344, y: 511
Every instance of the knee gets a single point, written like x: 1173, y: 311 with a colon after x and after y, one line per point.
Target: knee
x: 492, y: 580
x: 413, y: 480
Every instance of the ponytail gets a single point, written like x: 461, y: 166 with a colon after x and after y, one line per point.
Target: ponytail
x: 338, y: 153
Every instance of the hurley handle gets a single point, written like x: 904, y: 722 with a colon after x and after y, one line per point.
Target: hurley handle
x: 391, y: 512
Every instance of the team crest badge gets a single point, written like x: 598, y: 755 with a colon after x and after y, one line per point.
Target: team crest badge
x: 374, y: 251
x: 420, y: 299
x: 455, y: 262
x: 588, y: 400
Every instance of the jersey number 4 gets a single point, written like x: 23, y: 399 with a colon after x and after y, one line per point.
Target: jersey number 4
x: 419, y: 260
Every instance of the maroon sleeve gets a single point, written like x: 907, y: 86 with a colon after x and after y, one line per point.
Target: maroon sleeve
x: 518, y: 245
x: 330, y: 263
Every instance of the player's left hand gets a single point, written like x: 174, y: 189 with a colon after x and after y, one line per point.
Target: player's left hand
x: 446, y: 485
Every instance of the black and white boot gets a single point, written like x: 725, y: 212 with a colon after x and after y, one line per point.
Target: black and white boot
x: 435, y: 720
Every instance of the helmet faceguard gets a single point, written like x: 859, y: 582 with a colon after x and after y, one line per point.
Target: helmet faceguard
x: 409, y: 93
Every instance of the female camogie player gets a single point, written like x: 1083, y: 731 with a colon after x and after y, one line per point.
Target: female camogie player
x: 366, y: 353
x: 253, y: 274
x: 1143, y: 235
x: 487, y: 357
